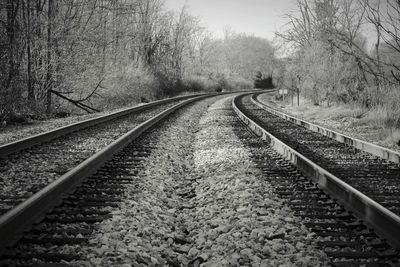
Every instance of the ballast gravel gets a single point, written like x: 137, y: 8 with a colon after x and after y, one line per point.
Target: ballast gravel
x: 200, y: 201
x: 14, y: 133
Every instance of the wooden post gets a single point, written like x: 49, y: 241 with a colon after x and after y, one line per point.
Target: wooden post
x: 298, y: 90
x: 292, y: 93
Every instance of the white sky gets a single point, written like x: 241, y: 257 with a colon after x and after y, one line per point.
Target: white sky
x: 259, y: 17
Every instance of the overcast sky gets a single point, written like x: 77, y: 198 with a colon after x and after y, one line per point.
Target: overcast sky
x: 259, y: 17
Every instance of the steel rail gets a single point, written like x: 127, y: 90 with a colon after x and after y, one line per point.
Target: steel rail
x: 376, y: 150
x: 28, y: 142
x: 384, y: 222
x: 19, y: 219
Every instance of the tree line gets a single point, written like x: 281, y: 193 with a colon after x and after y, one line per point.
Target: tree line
x: 344, y: 51
x: 94, y: 54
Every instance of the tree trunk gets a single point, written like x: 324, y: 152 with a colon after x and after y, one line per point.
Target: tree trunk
x: 31, y: 93
x: 378, y: 78
x: 49, y: 47
x: 298, y: 90
x: 104, y: 48
x: 115, y: 29
x: 11, y: 16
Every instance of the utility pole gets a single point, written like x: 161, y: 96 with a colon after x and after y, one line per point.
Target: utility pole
x: 298, y: 90
x: 292, y: 90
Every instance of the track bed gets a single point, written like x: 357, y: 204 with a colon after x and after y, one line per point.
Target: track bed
x: 24, y: 173
x: 373, y: 176
x: 199, y: 189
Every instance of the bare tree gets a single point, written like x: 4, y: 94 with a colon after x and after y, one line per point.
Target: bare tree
x: 385, y: 19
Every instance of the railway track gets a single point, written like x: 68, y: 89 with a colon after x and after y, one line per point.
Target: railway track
x: 28, y: 165
x: 347, y: 238
x: 59, y: 238
x: 373, y: 149
x: 98, y: 185
x: 25, y: 143
x: 102, y: 190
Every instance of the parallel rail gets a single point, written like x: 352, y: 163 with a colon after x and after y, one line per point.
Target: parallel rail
x: 31, y: 141
x: 21, y: 218
x: 383, y: 221
x: 376, y: 150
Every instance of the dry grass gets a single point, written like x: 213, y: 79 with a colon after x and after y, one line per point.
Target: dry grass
x: 388, y: 116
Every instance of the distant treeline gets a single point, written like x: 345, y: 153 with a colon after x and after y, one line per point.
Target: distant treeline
x: 95, y: 54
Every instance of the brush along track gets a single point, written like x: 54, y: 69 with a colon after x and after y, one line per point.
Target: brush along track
x: 25, y: 172
x: 20, y: 218
x: 309, y: 151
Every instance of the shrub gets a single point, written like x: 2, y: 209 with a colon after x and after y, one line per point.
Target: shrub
x: 199, y: 84
x: 126, y: 87
x: 232, y: 83
x: 263, y: 82
x: 385, y: 108
x: 238, y: 83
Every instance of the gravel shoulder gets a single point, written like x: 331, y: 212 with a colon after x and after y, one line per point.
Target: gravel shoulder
x: 13, y: 133
x: 200, y: 201
x: 353, y: 122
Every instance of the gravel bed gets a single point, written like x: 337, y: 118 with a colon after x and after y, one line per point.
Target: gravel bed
x: 13, y: 133
x: 199, y: 201
x: 24, y: 173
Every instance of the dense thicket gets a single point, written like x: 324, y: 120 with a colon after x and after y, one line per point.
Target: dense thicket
x: 97, y: 53
x: 345, y: 51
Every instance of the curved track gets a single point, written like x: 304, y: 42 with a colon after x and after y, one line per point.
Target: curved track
x: 21, y: 217
x: 375, y: 177
x: 373, y: 149
x: 28, y: 165
x: 348, y: 174
x: 19, y: 145
x: 345, y: 240
x: 58, y: 239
